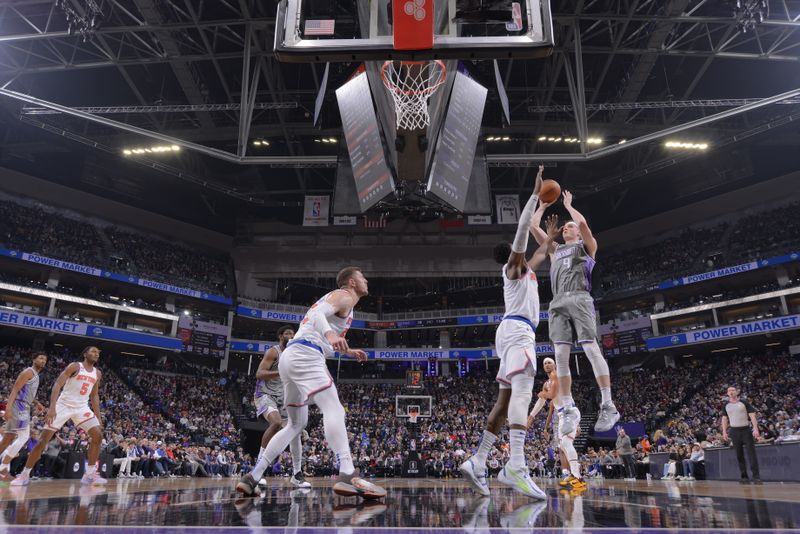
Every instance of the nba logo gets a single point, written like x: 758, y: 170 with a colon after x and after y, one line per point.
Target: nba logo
x: 316, y: 209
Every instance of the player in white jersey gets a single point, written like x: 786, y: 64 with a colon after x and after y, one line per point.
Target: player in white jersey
x: 564, y: 444
x: 306, y: 380
x: 21, y: 400
x: 516, y: 347
x: 75, y: 388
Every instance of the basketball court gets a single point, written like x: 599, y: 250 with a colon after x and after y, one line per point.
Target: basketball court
x: 416, y: 505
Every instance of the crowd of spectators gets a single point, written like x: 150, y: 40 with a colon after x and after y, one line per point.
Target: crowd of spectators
x: 167, y: 417
x: 34, y: 229
x: 663, y: 260
x: 765, y: 234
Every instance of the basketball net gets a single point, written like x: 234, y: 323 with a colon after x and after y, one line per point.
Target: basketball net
x: 412, y: 417
x: 411, y: 83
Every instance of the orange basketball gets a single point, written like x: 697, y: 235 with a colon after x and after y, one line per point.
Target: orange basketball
x: 550, y: 191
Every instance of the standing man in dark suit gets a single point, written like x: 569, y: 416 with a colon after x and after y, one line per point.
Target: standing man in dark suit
x: 739, y: 415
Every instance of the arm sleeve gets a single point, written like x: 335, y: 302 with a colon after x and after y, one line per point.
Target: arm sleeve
x: 318, y: 317
x: 540, y: 403
x: 748, y: 407
x: 520, y: 244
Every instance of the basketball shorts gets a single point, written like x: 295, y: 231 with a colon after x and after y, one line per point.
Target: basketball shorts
x: 572, y: 310
x: 266, y: 404
x: 516, y: 347
x: 82, y: 417
x: 303, y: 373
x: 18, y: 423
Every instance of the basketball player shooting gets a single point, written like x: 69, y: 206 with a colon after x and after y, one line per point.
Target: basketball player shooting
x: 516, y: 346
x: 269, y: 403
x: 572, y: 306
x: 76, y: 387
x: 306, y: 380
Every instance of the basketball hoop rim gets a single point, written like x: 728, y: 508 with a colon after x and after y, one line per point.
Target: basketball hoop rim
x: 428, y: 90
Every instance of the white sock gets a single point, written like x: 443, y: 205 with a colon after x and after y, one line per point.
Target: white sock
x: 261, y: 452
x: 260, y: 467
x: 487, y: 442
x: 564, y: 472
x: 296, y: 448
x: 335, y: 431
x: 90, y: 469
x: 575, y: 467
x: 26, y: 472
x: 517, y: 440
x: 606, y: 394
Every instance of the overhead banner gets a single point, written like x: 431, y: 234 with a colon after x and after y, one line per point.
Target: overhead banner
x: 507, y: 209
x: 282, y: 316
x: 316, y: 211
x: 466, y: 320
x: 244, y: 345
x: 728, y: 271
x: 440, y: 354
x: 204, y: 338
x: 127, y: 279
x: 75, y: 328
x: 752, y: 328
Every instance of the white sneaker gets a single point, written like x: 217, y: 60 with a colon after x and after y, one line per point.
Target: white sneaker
x: 607, y: 418
x: 299, y: 480
x: 262, y: 482
x: 94, y: 479
x: 20, y: 481
x: 520, y: 480
x: 568, y: 420
x: 476, y: 478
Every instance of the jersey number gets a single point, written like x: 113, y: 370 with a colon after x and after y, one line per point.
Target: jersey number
x: 567, y: 263
x: 85, y: 388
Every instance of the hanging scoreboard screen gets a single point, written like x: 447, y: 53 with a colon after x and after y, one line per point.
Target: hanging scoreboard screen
x: 371, y: 173
x: 454, y: 157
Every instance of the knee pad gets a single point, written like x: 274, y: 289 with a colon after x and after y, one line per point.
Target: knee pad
x: 521, y: 395
x: 562, y: 359
x: 18, y: 443
x: 568, y: 446
x: 599, y: 364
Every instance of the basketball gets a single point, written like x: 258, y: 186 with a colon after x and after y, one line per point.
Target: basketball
x: 550, y: 191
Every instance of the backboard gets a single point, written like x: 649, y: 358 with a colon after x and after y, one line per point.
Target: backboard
x: 362, y: 30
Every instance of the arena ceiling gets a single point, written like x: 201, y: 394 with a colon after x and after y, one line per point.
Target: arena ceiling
x: 178, y: 68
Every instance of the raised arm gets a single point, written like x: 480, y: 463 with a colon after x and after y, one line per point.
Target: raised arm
x: 22, y: 379
x: 263, y: 372
x: 583, y: 226
x: 517, y: 264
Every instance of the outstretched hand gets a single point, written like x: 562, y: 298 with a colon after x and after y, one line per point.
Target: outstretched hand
x: 567, y: 199
x: 537, y: 186
x: 552, y: 228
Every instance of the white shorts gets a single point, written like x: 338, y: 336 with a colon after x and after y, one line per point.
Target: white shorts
x: 516, y: 347
x: 84, y: 418
x: 304, y: 373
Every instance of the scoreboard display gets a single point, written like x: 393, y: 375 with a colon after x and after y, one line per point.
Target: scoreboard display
x: 414, y: 379
x: 625, y: 337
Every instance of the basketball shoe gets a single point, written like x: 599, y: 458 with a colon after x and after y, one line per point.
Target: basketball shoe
x: 353, y: 485
x: 607, y: 418
x: 476, y: 478
x: 520, y: 479
x: 568, y: 420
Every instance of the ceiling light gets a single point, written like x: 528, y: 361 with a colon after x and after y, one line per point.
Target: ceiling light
x: 506, y: 138
x: 594, y: 140
x: 155, y: 149
x: 623, y: 141
x: 725, y: 350
x: 543, y: 138
x: 686, y: 145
